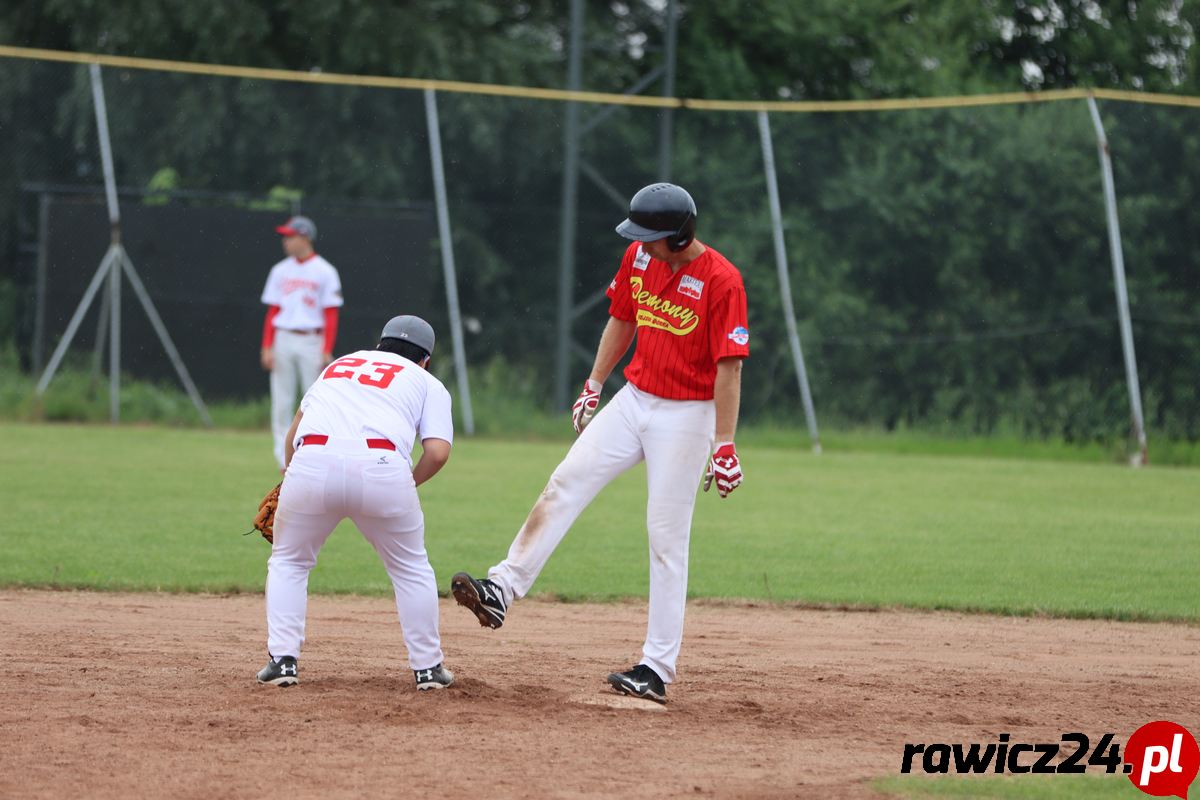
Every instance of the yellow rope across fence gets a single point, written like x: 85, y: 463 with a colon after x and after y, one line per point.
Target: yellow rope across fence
x: 604, y: 98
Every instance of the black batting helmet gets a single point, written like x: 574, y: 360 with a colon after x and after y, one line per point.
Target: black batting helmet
x: 661, y: 211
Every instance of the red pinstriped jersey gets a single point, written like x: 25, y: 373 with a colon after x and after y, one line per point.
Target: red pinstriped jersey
x: 686, y: 321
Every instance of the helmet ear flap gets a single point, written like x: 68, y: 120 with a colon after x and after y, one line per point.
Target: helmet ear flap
x: 684, y: 236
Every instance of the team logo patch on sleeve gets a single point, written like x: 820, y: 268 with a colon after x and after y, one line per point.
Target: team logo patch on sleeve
x: 739, y: 335
x: 691, y: 286
x: 642, y: 260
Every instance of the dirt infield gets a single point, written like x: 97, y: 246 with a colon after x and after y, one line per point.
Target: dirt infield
x: 133, y: 695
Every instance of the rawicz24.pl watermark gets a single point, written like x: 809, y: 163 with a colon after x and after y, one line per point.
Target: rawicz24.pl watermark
x: 1160, y: 758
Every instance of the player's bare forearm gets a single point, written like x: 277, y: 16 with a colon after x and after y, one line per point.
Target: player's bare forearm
x: 289, y: 443
x: 434, y: 455
x: 727, y: 392
x: 618, y: 335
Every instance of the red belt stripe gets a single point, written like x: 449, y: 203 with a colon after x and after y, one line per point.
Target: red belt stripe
x: 320, y: 438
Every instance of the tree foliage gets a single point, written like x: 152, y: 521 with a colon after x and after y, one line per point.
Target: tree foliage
x: 949, y: 268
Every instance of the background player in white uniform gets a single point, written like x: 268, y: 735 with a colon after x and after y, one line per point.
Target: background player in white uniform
x: 348, y: 455
x: 687, y: 307
x: 303, y: 293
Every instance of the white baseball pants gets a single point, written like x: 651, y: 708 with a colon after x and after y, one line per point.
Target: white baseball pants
x: 375, y: 489
x: 297, y: 365
x: 675, y: 438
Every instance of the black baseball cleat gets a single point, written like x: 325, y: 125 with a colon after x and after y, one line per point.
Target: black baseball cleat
x: 483, y: 598
x: 641, y: 681
x: 436, y: 678
x: 284, y: 672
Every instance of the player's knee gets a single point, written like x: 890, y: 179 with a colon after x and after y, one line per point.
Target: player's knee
x: 579, y: 467
x: 284, y: 560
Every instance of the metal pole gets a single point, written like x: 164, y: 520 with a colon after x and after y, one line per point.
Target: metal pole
x: 39, y: 292
x: 570, y: 202
x: 114, y: 218
x: 114, y: 340
x: 597, y: 117
x: 448, y: 270
x: 785, y: 286
x: 156, y: 321
x: 1118, y: 268
x: 77, y: 317
x: 666, y: 120
x: 106, y: 159
x: 603, y: 185
x: 103, y: 320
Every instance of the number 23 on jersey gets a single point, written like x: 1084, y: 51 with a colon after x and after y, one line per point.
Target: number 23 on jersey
x: 375, y: 373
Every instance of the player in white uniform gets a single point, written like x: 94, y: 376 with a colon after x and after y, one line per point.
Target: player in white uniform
x: 348, y: 455
x: 303, y: 294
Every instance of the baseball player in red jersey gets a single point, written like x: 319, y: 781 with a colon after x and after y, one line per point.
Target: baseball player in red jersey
x: 302, y: 294
x: 686, y: 306
x: 348, y: 455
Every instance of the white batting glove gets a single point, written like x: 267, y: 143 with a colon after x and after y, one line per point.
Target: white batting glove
x: 586, y: 405
x: 724, y: 468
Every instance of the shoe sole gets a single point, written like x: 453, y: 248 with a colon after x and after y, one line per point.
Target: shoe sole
x: 466, y: 596
x: 615, y: 682
x: 421, y: 687
x: 281, y: 682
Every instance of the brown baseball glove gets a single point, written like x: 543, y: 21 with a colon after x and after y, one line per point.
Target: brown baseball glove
x: 264, y: 522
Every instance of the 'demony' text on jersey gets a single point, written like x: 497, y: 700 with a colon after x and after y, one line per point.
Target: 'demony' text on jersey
x: 686, y: 321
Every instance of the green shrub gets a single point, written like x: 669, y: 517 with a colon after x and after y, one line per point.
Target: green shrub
x: 508, y: 402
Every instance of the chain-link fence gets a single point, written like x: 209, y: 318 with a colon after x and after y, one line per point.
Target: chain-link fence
x: 950, y: 267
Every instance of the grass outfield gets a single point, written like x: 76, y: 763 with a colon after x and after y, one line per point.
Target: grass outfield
x: 1024, y: 787
x: 162, y: 509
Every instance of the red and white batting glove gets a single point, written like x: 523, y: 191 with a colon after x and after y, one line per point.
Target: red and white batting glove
x: 724, y: 468
x: 586, y: 405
